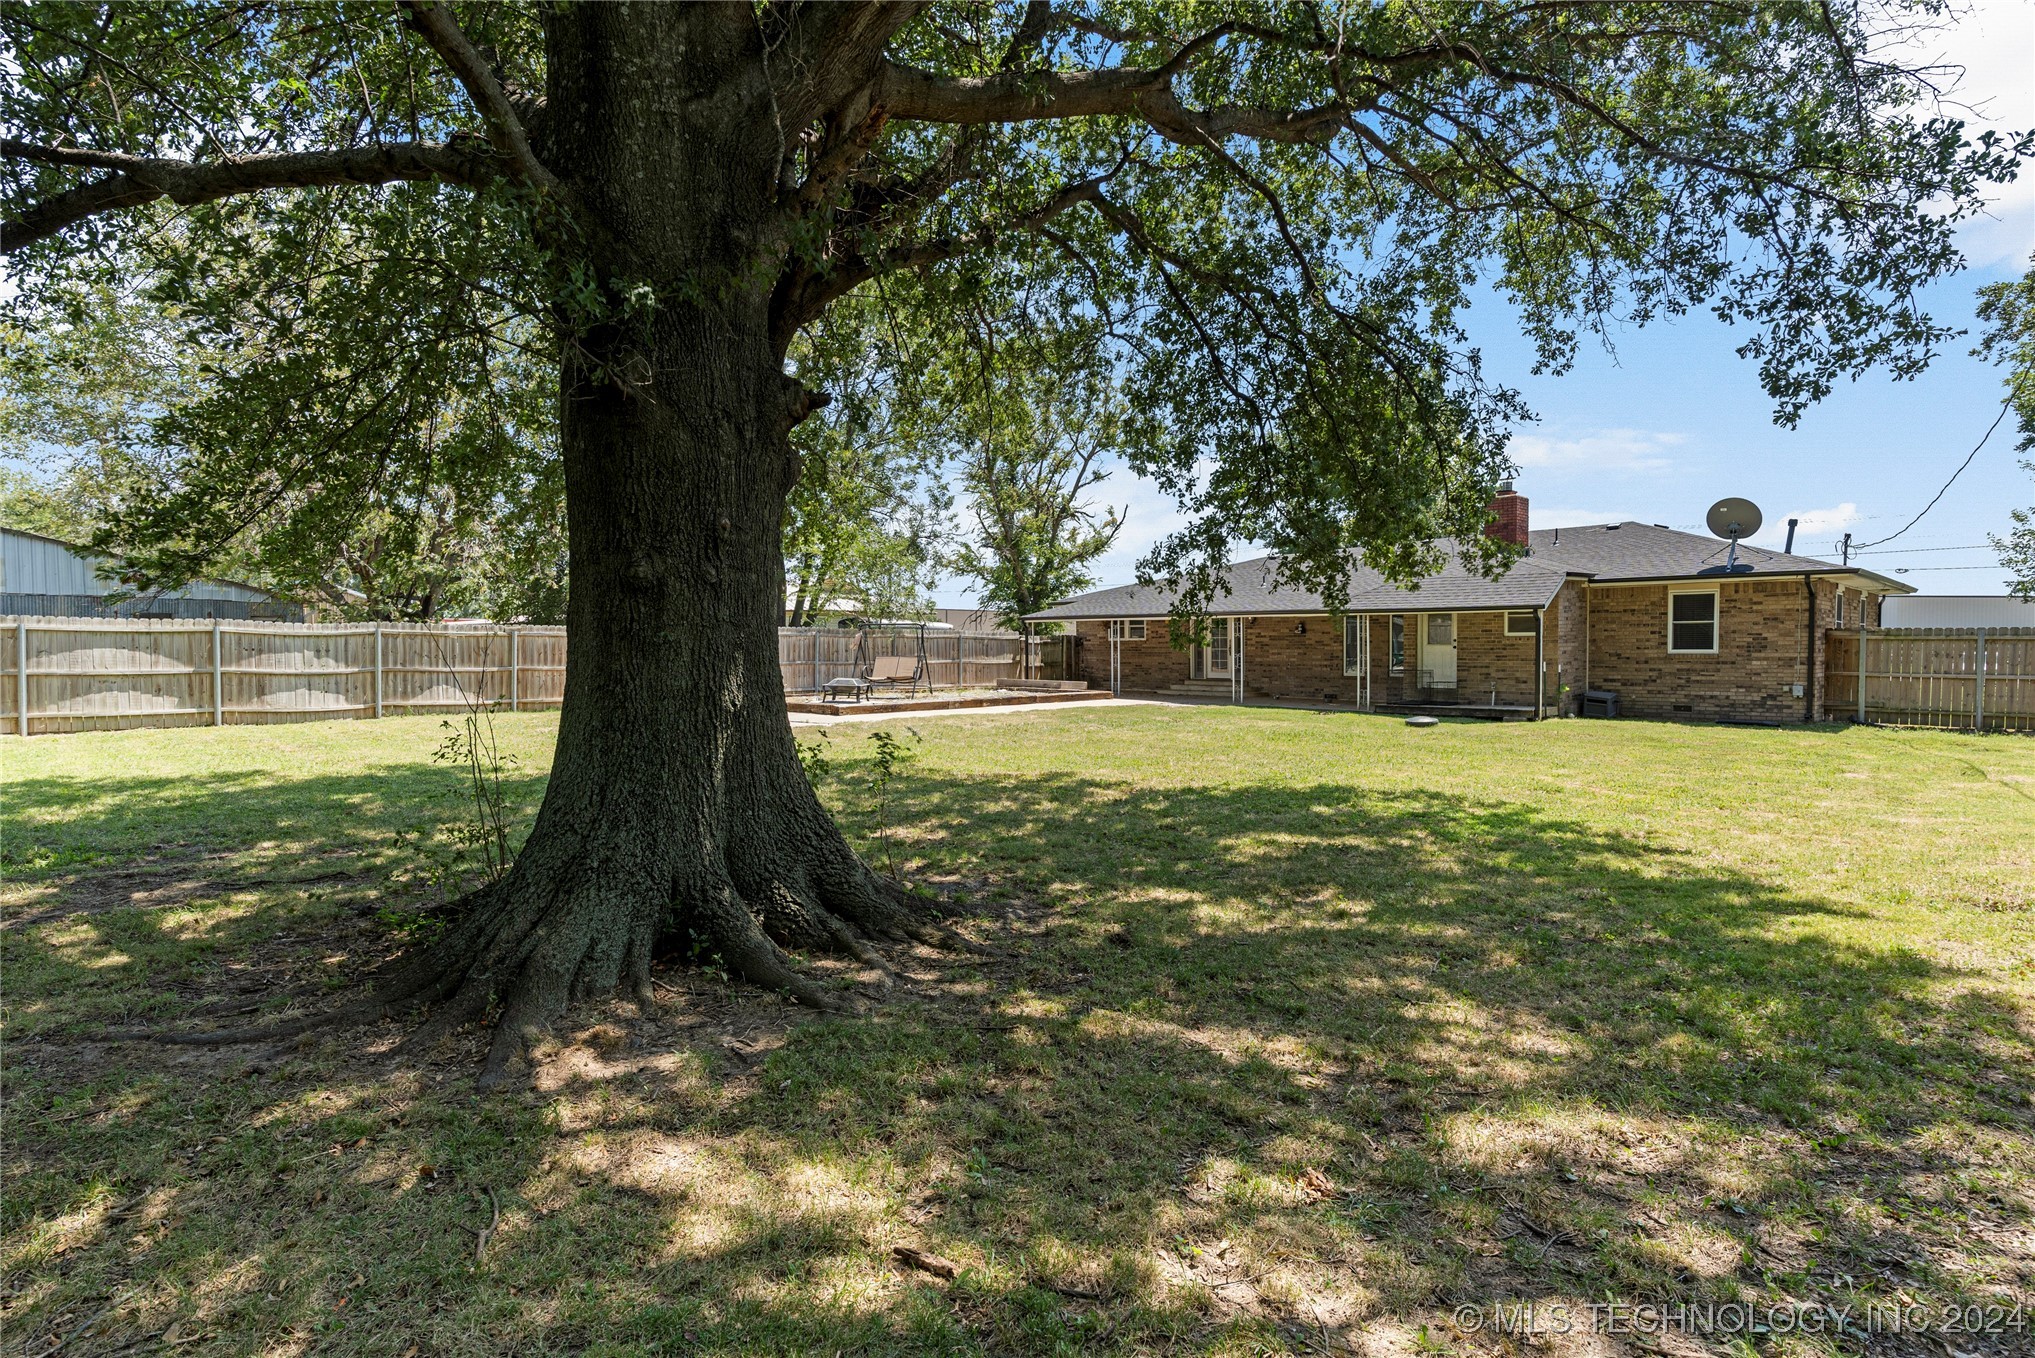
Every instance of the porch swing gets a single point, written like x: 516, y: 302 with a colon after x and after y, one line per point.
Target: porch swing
x: 891, y: 672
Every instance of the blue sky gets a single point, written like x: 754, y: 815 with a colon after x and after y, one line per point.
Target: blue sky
x: 1674, y: 421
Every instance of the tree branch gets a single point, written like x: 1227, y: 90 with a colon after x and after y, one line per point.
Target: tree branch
x: 505, y: 129
x: 830, y: 51
x: 143, y: 179
x: 801, y: 298
x: 1036, y: 96
x: 1031, y: 31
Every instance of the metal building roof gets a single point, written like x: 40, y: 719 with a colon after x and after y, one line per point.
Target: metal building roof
x: 31, y: 563
x: 1960, y: 610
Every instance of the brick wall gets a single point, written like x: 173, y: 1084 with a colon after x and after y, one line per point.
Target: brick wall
x: 1604, y: 636
x: 1763, y: 641
x: 1281, y: 661
x: 1488, y: 662
x: 1569, y: 647
x: 1854, y: 599
x: 1148, y: 666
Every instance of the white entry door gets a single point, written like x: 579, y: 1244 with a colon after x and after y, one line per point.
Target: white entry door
x: 1216, y: 658
x: 1438, y: 650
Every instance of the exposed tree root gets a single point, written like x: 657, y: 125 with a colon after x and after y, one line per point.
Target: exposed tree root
x: 525, y: 948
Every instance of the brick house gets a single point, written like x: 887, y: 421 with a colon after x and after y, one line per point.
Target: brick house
x: 1635, y: 609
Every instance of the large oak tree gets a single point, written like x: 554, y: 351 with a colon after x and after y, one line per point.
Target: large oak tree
x: 1276, y: 210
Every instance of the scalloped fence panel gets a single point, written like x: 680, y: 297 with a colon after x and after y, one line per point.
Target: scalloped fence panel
x: 107, y: 674
x: 94, y: 674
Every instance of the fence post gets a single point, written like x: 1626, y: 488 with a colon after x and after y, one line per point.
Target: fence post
x: 1861, y: 676
x: 21, y: 674
x: 1978, y: 696
x: 218, y: 692
x: 515, y: 671
x: 378, y: 670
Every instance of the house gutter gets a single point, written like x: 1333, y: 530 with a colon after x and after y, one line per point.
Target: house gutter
x: 1809, y: 657
x: 1539, y: 663
x: 1891, y: 585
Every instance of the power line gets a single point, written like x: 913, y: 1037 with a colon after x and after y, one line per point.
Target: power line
x: 1909, y: 551
x: 2005, y: 406
x: 1910, y: 570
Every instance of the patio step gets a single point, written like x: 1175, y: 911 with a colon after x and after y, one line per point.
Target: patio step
x: 1201, y: 688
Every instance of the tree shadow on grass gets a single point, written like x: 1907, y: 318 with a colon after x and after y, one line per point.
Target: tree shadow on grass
x: 1252, y: 1065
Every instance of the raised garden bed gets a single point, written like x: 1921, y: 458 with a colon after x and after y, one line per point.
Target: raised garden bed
x: 938, y: 702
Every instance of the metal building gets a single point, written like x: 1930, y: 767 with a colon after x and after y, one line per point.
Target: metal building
x: 1959, y: 610
x: 44, y: 577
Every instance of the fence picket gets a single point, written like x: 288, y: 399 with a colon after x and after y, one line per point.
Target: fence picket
x: 88, y: 674
x: 1971, y: 679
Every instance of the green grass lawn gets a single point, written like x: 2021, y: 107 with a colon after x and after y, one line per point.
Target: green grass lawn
x: 1299, y: 1031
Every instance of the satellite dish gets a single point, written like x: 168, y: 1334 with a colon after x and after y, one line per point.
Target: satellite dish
x: 1732, y: 518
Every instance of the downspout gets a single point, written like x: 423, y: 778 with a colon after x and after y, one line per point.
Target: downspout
x: 1539, y: 663
x: 1809, y: 659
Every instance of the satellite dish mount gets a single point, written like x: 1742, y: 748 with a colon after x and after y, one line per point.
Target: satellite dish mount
x: 1732, y: 518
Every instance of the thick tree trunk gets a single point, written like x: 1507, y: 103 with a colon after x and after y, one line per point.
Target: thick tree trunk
x: 677, y: 815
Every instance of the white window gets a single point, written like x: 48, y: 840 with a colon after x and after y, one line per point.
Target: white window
x: 1353, y: 645
x: 1840, y: 608
x: 1398, y: 643
x: 1692, y: 621
x: 1520, y: 623
x: 1132, y: 629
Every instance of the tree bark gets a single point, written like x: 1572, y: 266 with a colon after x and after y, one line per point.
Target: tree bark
x: 677, y: 817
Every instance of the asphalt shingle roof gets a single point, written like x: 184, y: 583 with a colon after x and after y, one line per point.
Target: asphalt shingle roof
x: 1609, y: 552
x: 1604, y: 553
x: 1528, y: 584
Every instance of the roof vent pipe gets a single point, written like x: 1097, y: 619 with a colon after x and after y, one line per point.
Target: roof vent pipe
x: 1789, y: 550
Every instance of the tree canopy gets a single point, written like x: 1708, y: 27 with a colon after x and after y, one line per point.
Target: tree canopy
x: 1272, y: 215
x: 149, y: 436
x: 866, y: 520
x: 1275, y: 213
x: 2008, y: 309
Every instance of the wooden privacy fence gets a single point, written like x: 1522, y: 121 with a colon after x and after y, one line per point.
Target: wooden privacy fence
x: 810, y: 656
x: 1056, y: 657
x: 102, y: 674
x: 1964, y: 678
x: 93, y: 674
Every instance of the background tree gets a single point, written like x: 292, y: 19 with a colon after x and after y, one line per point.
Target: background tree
x: 78, y: 392
x: 36, y: 504
x: 2009, y: 311
x: 1036, y: 411
x: 1276, y: 211
x: 158, y: 444
x: 865, y: 520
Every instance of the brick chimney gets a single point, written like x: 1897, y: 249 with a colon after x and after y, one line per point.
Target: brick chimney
x: 1508, y: 515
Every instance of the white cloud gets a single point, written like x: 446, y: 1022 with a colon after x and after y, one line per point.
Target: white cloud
x: 1992, y: 43
x: 1539, y: 517
x: 1814, y: 534
x: 1630, y: 450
